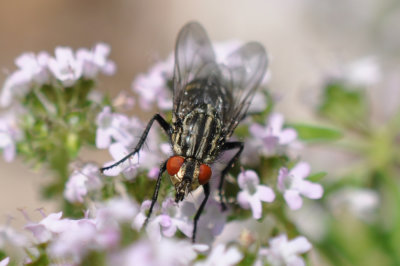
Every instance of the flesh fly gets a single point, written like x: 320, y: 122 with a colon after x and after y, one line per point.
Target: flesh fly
x: 209, y: 101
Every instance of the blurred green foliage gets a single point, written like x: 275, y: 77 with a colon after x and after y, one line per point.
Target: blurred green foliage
x: 350, y: 240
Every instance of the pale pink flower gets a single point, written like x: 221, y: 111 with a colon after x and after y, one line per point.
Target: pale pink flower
x: 4, y: 262
x: 281, y: 251
x: 95, y: 60
x: 75, y: 241
x: 362, y: 72
x: 272, y: 136
x: 222, y: 256
x: 112, y: 127
x: 117, y: 210
x: 48, y: 227
x: 152, y: 87
x: 176, y: 216
x: 211, y: 222
x: 140, y: 218
x: 65, y: 66
x: 81, y: 182
x: 252, y: 194
x: 361, y: 202
x: 10, y: 134
x: 35, y: 66
x: 148, y: 158
x: 166, y: 252
x: 8, y: 236
x: 32, y: 71
x: 129, y: 168
x: 293, y: 184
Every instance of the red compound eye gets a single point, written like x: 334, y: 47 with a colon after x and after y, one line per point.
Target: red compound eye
x: 174, y: 164
x: 204, y: 174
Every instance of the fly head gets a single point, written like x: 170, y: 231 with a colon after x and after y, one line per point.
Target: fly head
x: 187, y: 174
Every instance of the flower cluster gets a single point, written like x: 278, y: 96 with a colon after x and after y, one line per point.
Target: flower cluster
x: 10, y: 134
x: 102, y: 214
x: 66, y: 67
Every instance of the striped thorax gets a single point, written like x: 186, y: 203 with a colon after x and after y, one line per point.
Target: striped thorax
x: 196, y: 143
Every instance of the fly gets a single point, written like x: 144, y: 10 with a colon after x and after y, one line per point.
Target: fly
x: 209, y: 101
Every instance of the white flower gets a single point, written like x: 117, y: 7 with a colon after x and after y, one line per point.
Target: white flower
x: 65, y: 67
x: 140, y: 218
x: 75, y: 241
x: 81, y: 182
x: 35, y: 66
x: 4, y: 262
x: 366, y: 71
x: 10, y: 134
x: 32, y: 71
x: 9, y: 236
x: 127, y: 132
x: 222, y: 256
x: 117, y: 209
x: 293, y: 184
x: 95, y: 60
x: 211, y: 223
x: 152, y: 87
x: 112, y: 126
x: 46, y: 228
x: 176, y: 216
x: 363, y: 203
x: 129, y: 168
x: 283, y: 252
x: 252, y: 193
x: 166, y: 252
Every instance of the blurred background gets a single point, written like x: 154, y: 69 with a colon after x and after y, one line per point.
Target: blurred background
x: 306, y: 40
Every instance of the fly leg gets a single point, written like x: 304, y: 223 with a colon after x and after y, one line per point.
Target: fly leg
x: 161, y: 121
x: 228, y: 146
x: 206, y: 189
x: 155, y: 194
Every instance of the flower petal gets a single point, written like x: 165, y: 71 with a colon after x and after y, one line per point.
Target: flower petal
x: 301, y: 170
x: 311, y: 190
x: 257, y: 130
x: 275, y: 123
x: 248, y: 176
x: 5, y: 261
x: 185, y: 227
x: 298, y: 245
x: 103, y: 139
x: 287, y: 135
x: 256, y: 207
x: 295, y: 261
x: 265, y: 193
x: 9, y: 152
x: 283, y: 174
x: 293, y: 199
x: 243, y: 199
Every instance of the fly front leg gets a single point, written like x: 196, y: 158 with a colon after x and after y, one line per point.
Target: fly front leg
x: 228, y: 146
x: 206, y: 189
x: 161, y: 121
x: 155, y: 194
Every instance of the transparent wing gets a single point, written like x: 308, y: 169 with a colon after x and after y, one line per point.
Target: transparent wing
x: 193, y: 57
x: 242, y: 73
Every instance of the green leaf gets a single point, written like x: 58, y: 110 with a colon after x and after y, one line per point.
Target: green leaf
x: 343, y: 104
x: 3, y: 255
x: 316, y: 133
x: 317, y: 176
